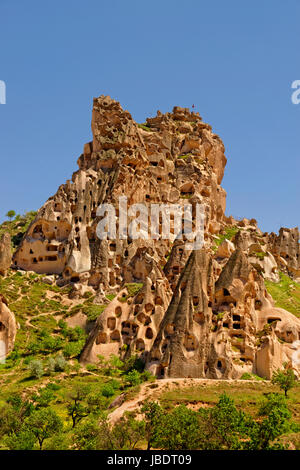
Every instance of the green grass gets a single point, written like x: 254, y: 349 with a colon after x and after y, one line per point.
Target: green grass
x: 260, y: 255
x: 133, y: 288
x: 17, y: 227
x: 249, y: 376
x: 230, y: 232
x: 184, y: 157
x: 146, y: 128
x: 93, y: 311
x: 286, y: 294
x: 37, y: 315
x: 247, y: 395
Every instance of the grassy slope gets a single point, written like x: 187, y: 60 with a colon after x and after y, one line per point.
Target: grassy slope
x: 286, y: 294
x: 247, y: 396
x: 38, y: 307
x: 29, y: 298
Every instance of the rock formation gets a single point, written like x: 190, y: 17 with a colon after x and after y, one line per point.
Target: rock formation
x: 176, y: 159
x: 5, y: 253
x: 7, y: 329
x: 286, y: 249
x: 200, y: 313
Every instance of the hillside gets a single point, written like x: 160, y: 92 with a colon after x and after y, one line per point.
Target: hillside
x: 92, y: 326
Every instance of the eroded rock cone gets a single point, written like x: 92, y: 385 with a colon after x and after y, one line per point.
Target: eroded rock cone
x: 129, y: 324
x: 181, y: 347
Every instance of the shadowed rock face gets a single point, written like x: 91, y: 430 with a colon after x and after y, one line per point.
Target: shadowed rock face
x: 181, y: 348
x: 204, y: 313
x: 7, y: 329
x: 5, y: 253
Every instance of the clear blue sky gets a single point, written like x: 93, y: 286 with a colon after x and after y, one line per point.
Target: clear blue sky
x: 235, y: 60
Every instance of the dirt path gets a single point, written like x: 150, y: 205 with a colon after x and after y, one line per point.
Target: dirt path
x: 29, y: 320
x: 153, y: 390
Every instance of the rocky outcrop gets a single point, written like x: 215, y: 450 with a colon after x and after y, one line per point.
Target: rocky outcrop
x: 202, y: 313
x: 130, y: 322
x: 7, y: 329
x: 5, y: 253
x: 286, y: 250
x: 177, y: 158
x: 182, y: 344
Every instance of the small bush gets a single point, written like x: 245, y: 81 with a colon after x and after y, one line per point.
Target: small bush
x: 133, y: 378
x: 60, y: 363
x: 36, y: 368
x: 107, y: 391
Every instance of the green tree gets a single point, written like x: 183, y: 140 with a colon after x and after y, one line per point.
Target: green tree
x: 133, y: 378
x: 43, y: 397
x: 10, y: 214
x: 128, y: 432
x: 13, y: 414
x: 60, y: 363
x: 107, y: 390
x: 224, y: 425
x: 50, y: 366
x: 43, y: 424
x: 285, y: 379
x: 73, y: 349
x: 77, y: 409
x: 153, y: 415
x: 274, y: 420
x: 23, y: 440
x: 86, y: 435
x: 178, y: 430
x: 60, y: 441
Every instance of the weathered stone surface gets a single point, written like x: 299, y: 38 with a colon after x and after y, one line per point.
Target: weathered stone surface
x: 5, y: 253
x: 118, y: 401
x: 182, y: 346
x: 204, y: 313
x: 130, y: 322
x: 179, y: 158
x: 286, y: 249
x: 8, y: 328
x: 225, y: 249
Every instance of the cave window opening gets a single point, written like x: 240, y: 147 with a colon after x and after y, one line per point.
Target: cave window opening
x: 236, y: 318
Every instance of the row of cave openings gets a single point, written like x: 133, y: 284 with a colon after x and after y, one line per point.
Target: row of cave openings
x: 129, y: 329
x: 55, y: 251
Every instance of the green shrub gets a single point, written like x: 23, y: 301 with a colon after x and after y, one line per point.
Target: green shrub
x: 36, y: 368
x: 50, y: 365
x: 60, y: 363
x: 93, y: 311
x: 133, y: 378
x: 73, y: 349
x: 107, y: 390
x: 91, y: 367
